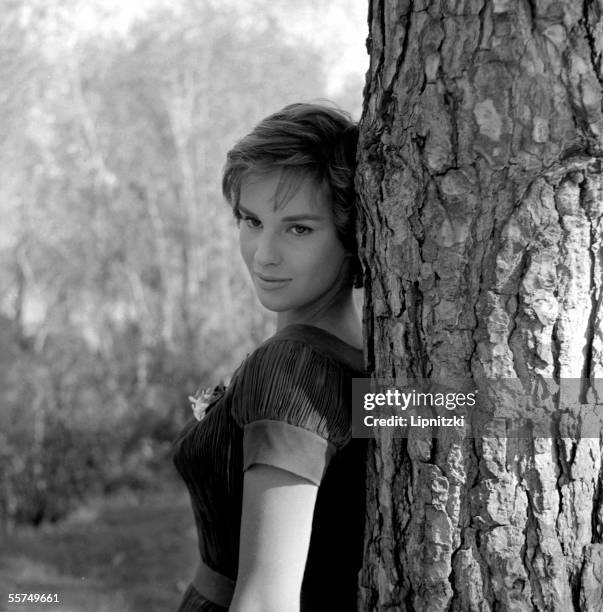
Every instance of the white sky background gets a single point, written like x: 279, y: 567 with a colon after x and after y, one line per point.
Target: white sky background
x: 338, y: 27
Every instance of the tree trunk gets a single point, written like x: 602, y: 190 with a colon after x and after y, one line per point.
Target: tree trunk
x: 482, y: 209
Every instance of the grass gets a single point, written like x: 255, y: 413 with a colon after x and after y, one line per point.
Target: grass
x: 125, y: 554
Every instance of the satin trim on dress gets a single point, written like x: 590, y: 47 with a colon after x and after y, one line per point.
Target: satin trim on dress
x: 215, y: 587
x: 287, y: 447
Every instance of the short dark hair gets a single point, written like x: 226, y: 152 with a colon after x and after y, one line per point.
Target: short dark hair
x: 303, y: 139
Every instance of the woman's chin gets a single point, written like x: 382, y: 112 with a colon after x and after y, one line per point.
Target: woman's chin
x: 271, y: 304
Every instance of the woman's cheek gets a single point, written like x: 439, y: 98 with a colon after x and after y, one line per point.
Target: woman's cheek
x: 245, y: 244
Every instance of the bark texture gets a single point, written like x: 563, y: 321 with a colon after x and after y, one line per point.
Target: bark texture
x: 482, y: 200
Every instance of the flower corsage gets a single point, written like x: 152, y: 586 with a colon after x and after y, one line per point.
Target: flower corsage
x: 204, y: 398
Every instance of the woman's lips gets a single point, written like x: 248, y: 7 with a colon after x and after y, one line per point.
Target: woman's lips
x: 270, y: 282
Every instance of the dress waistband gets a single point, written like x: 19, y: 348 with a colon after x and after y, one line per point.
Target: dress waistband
x: 216, y: 587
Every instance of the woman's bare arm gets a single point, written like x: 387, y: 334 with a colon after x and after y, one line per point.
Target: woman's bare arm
x: 276, y: 524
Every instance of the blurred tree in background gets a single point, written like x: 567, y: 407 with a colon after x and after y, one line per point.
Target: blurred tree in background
x: 120, y: 283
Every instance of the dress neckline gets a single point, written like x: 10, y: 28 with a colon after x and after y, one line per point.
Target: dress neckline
x: 325, y: 340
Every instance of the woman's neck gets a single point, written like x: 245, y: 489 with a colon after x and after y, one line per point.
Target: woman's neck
x: 341, y: 319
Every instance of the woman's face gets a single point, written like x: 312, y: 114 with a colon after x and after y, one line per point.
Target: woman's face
x: 291, y: 250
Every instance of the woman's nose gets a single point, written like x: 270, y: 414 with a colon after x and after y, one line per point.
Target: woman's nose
x: 267, y: 251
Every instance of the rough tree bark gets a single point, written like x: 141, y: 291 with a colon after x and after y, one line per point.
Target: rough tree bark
x: 482, y: 209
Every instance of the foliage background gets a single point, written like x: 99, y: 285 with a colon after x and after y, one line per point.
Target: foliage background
x: 121, y: 288
x: 121, y: 284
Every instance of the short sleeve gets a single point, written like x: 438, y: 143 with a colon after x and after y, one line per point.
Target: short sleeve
x: 290, y: 400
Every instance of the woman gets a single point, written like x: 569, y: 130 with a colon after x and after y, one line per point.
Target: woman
x: 276, y: 482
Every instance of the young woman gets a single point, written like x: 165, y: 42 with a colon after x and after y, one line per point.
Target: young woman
x: 275, y: 479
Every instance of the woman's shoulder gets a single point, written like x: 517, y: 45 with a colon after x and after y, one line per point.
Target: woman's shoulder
x: 308, y: 342
x: 302, y: 377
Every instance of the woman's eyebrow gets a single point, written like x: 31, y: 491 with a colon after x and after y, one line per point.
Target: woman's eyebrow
x: 245, y: 211
x: 290, y: 218
x: 303, y: 217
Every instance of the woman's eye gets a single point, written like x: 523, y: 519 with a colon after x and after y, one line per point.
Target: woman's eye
x: 300, y: 230
x: 251, y: 222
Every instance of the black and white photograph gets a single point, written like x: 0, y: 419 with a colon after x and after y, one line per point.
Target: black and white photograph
x: 301, y: 306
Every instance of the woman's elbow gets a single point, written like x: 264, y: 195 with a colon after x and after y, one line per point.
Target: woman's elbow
x: 262, y: 607
x: 264, y: 602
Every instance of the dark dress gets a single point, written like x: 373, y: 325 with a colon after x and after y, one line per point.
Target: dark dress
x: 288, y: 405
